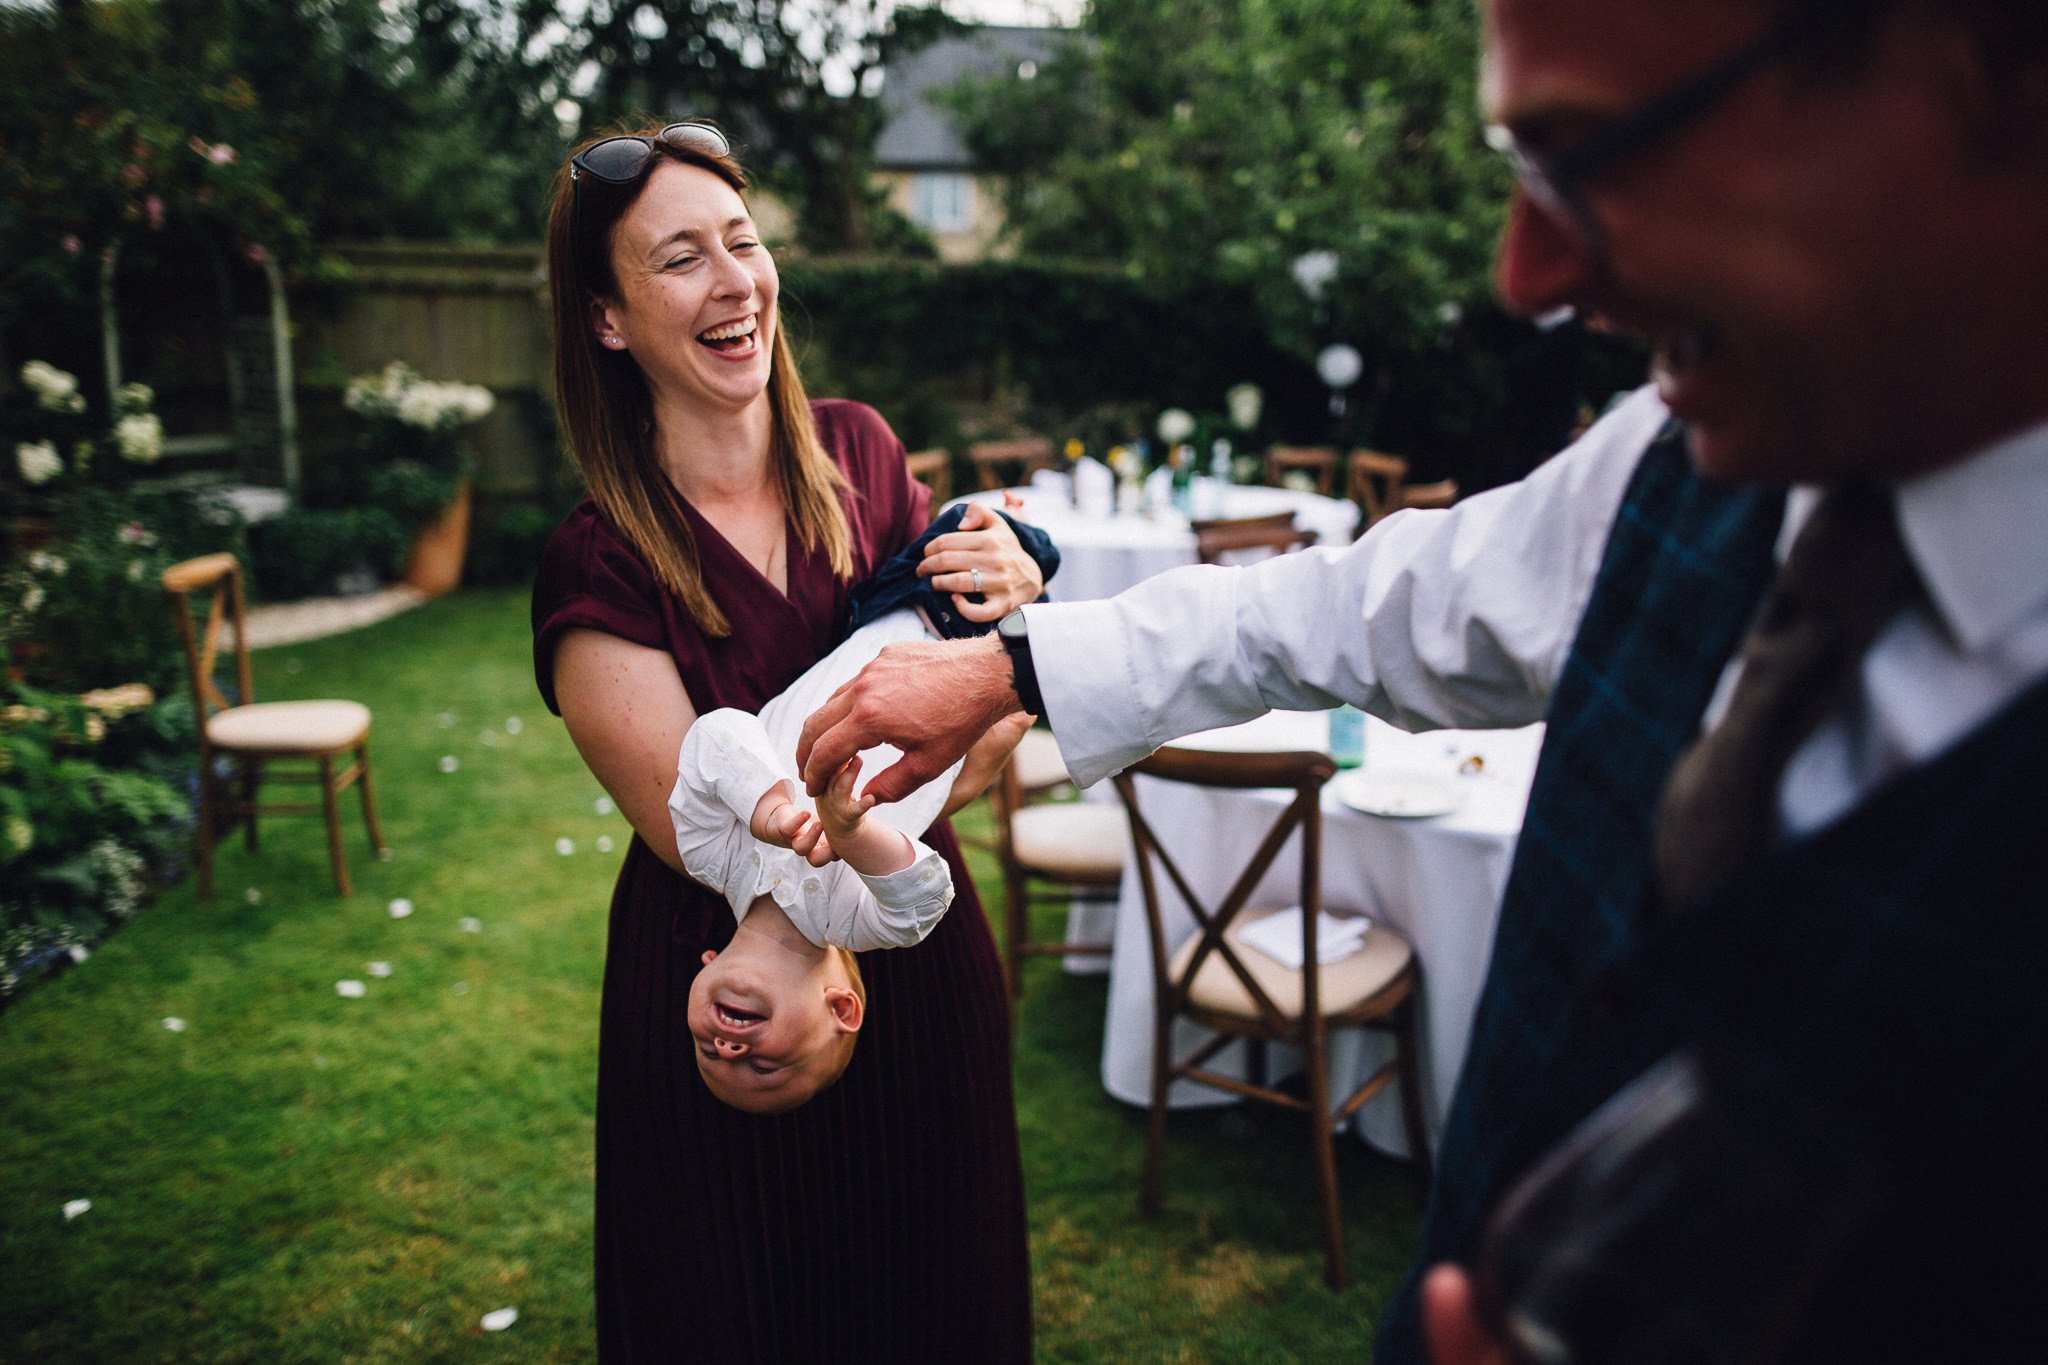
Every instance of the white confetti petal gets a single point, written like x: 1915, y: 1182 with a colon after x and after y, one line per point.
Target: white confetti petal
x: 472, y: 925
x: 350, y: 990
x: 77, y: 952
x: 400, y: 908
x: 499, y: 1319
x: 379, y: 969
x: 604, y: 843
x: 449, y: 763
x: 462, y: 988
x: 565, y: 846
x: 487, y: 738
x: 74, y: 1207
x: 603, y: 805
x: 174, y: 1024
x: 513, y: 725
x: 254, y: 895
x: 445, y: 720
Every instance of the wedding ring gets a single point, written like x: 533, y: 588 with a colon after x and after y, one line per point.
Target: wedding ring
x: 975, y: 575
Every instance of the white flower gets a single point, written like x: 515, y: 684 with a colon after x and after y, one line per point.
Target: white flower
x: 174, y: 1024
x: 56, y: 390
x: 449, y: 763
x: 18, y: 833
x: 32, y: 599
x: 400, y: 908
x: 350, y: 990
x: 380, y: 969
x: 38, y: 461
x: 1175, y: 426
x: 134, y: 398
x: 603, y: 805
x: 140, y: 436
x: 565, y: 846
x: 499, y: 1319
x: 604, y: 843
x: 1313, y: 271
x: 42, y: 561
x: 254, y: 895
x: 1245, y: 402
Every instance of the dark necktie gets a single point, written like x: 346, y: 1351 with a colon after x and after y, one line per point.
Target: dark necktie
x: 1846, y: 576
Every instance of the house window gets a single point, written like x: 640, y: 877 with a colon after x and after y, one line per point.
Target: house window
x: 940, y: 201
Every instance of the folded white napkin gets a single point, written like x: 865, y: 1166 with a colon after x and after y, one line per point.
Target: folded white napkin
x: 1278, y: 936
x: 1051, y: 481
x: 1094, y: 486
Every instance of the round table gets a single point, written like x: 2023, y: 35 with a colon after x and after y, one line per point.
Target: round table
x: 1438, y: 880
x: 1102, y: 552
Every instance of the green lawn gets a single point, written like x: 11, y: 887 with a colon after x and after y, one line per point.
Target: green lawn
x: 299, y: 1176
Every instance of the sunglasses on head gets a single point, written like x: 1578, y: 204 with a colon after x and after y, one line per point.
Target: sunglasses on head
x: 622, y: 160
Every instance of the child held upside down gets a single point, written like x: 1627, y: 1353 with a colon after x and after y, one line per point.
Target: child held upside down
x: 776, y: 1013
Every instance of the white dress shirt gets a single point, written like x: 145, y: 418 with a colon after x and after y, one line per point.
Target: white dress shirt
x: 730, y: 759
x: 1463, y: 618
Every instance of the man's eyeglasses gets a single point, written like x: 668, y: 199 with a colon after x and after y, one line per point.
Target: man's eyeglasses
x: 1556, y: 180
x: 622, y: 160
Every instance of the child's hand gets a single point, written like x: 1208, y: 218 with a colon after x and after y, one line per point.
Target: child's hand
x: 812, y: 843
x: 778, y: 819
x: 837, y: 806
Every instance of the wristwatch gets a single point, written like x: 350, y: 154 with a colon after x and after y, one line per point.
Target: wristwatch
x: 1016, y: 638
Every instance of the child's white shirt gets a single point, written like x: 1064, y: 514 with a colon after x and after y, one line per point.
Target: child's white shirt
x: 730, y: 758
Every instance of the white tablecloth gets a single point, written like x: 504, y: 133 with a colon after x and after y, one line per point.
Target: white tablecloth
x: 1437, y: 880
x: 1101, y: 554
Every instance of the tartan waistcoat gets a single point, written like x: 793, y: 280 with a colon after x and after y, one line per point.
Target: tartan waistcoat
x: 1928, y: 891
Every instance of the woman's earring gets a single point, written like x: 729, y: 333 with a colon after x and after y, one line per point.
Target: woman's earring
x: 615, y: 342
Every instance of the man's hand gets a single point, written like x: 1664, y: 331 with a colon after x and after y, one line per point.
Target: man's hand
x: 930, y: 698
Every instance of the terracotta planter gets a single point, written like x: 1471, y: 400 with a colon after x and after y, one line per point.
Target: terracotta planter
x: 435, y: 565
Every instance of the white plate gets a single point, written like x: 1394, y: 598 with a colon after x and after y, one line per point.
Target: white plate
x: 1391, y: 792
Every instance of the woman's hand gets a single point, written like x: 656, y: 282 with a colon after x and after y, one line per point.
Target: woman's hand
x: 982, y: 556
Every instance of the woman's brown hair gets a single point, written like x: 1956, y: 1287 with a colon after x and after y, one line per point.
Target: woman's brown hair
x: 607, y: 413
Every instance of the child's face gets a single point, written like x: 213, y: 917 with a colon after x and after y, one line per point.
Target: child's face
x: 771, y: 1028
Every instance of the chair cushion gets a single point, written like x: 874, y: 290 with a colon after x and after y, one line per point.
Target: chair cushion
x: 1071, y: 840
x: 1038, y: 761
x: 290, y: 727
x: 1344, y: 985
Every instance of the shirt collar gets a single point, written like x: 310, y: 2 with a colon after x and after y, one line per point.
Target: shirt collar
x: 1975, y: 531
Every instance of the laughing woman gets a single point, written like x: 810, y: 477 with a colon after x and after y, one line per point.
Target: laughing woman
x: 727, y: 514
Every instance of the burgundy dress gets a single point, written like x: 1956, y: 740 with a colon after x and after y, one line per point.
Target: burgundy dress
x: 884, y: 1220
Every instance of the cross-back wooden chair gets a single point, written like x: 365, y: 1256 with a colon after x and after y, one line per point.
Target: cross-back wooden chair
x: 1374, y: 482
x: 1318, y: 462
x: 1234, y: 536
x: 934, y: 469
x: 253, y: 734
x: 1008, y: 464
x: 1051, y: 852
x: 1215, y: 980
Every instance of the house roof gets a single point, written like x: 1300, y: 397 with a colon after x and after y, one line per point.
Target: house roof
x: 918, y: 136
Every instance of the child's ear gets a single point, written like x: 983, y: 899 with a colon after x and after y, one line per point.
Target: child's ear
x: 845, y: 1007
x: 708, y: 957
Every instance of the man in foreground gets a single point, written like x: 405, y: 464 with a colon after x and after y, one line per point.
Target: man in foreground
x: 1791, y: 645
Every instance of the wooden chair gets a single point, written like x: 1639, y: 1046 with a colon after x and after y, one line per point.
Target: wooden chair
x: 1008, y: 464
x: 1318, y: 462
x: 1051, y: 852
x: 1216, y: 981
x: 1235, y: 536
x: 253, y: 734
x: 1374, y: 482
x: 933, y: 469
x: 1442, y: 493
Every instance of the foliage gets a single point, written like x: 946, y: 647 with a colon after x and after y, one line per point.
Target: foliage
x: 1218, y: 144
x: 797, y: 83
x: 87, y: 610
x: 82, y: 820
x: 60, y: 442
x: 309, y: 551
x: 327, y: 1179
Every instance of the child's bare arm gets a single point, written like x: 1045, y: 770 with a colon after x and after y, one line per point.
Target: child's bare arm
x: 869, y: 847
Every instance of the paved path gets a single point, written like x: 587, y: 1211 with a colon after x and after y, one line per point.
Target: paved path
x: 288, y: 623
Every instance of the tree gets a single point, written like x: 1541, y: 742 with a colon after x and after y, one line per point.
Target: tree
x: 797, y: 83
x: 1325, y: 155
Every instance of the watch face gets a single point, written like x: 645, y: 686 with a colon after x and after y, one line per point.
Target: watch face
x: 1011, y: 627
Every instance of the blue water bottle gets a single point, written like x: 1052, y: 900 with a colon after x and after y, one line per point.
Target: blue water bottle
x: 1347, y: 736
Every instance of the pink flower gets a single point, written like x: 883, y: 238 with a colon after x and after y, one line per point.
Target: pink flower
x: 134, y: 533
x: 133, y: 174
x: 255, y: 253
x: 72, y: 244
x: 220, y: 154
x: 154, y: 207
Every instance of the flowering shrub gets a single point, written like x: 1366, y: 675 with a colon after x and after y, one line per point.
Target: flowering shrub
x: 89, y: 808
x: 397, y: 395
x: 58, y: 441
